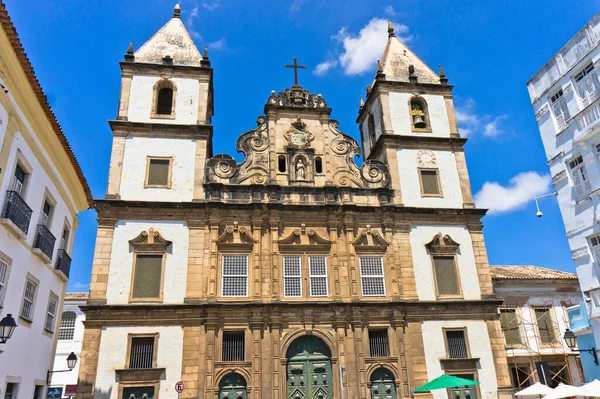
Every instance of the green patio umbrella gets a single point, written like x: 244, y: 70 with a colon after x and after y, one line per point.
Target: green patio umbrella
x: 446, y: 381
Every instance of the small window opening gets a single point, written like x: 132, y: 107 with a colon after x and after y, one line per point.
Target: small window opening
x: 318, y: 165
x: 282, y: 163
x: 165, y: 101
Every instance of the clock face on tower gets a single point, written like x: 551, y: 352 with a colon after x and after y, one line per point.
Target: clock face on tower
x: 426, y: 159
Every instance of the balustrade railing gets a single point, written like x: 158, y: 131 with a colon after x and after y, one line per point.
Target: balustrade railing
x: 17, y: 211
x: 588, y: 119
x: 63, y: 262
x: 44, y: 240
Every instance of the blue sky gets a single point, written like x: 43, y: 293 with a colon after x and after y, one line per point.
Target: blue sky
x: 488, y: 49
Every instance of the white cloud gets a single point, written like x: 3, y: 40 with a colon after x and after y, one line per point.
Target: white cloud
x: 190, y: 24
x: 212, y: 6
x: 79, y: 285
x: 521, y: 189
x: 359, y: 52
x: 297, y: 5
x: 219, y: 45
x: 323, y: 67
x: 389, y: 10
x: 470, y: 122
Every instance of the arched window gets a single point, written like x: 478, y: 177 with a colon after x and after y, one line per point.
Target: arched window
x: 371, y: 127
x: 232, y: 386
x: 67, y: 325
x: 419, y: 117
x: 318, y: 165
x: 282, y: 163
x: 164, y: 97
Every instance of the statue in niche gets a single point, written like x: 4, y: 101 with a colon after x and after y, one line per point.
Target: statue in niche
x: 300, y: 170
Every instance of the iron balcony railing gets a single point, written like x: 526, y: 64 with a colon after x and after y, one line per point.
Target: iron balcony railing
x: 63, y: 262
x: 17, y: 211
x: 44, y: 240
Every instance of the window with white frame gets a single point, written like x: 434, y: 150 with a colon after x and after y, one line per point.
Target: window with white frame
x: 29, y: 300
x: 317, y: 266
x: 595, y: 244
x: 67, y: 325
x: 51, y: 312
x: 371, y: 276
x: 292, y: 276
x: 235, y: 275
x: 3, y: 279
x: 587, y: 84
x: 579, y: 175
x: 19, y: 178
x: 560, y: 109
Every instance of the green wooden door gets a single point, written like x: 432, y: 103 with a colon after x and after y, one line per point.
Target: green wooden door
x: 138, y: 393
x: 469, y: 392
x: 232, y: 386
x: 382, y: 384
x: 308, y: 369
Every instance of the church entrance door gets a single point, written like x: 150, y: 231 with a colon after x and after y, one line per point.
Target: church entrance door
x: 382, y: 384
x: 309, y: 369
x: 232, y: 386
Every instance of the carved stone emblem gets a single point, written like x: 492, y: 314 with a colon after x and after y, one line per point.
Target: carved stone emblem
x: 426, y: 159
x: 298, y: 136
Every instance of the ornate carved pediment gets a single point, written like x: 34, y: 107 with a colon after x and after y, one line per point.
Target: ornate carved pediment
x: 369, y: 240
x: 296, y: 97
x: 222, y: 168
x: 236, y: 238
x: 298, y: 136
x: 304, y: 239
x: 442, y: 244
x: 150, y: 240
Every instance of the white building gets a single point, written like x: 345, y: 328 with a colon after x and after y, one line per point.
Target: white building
x: 42, y: 189
x: 565, y: 95
x: 70, y: 338
x: 534, y: 320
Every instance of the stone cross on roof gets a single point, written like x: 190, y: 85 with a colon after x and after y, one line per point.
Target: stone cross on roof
x: 296, y: 67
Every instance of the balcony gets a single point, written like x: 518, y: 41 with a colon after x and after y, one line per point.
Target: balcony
x: 63, y: 262
x: 16, y: 214
x: 43, y: 245
x: 595, y: 303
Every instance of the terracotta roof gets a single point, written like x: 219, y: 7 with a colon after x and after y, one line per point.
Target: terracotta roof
x: 76, y: 295
x: 529, y: 273
x: 11, y: 32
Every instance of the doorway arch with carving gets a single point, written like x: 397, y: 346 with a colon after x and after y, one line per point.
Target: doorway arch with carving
x: 308, y: 370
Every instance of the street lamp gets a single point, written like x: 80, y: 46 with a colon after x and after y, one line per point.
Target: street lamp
x: 7, y: 327
x: 571, y: 341
x: 71, y: 362
x: 539, y: 213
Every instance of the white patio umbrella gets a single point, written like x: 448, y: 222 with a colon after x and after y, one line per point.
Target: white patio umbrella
x: 537, y: 389
x: 590, y: 389
x: 563, y: 391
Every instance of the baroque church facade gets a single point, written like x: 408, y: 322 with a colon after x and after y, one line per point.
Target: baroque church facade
x: 294, y: 273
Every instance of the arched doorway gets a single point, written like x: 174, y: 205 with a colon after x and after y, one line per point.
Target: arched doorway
x: 232, y: 386
x: 382, y: 384
x: 309, y: 369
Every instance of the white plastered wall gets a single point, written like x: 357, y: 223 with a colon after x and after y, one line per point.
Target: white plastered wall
x: 410, y: 186
x: 421, y: 235
x: 113, y: 355
x: 135, y: 159
x: 121, y: 261
x: 142, y: 94
x: 438, y: 115
x: 479, y: 347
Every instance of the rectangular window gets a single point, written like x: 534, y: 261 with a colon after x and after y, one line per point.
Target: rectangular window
x: 560, y: 109
x: 235, y: 275
x: 430, y: 182
x: 446, y: 276
x: 292, y: 276
x: 457, y: 344
x: 579, y: 175
x: 3, y: 279
x: 51, y: 312
x: 67, y: 325
x: 545, y: 326
x: 11, y: 391
x: 19, y: 180
x: 147, y: 277
x: 141, y: 355
x: 371, y: 276
x: 46, y: 212
x: 378, y: 343
x: 159, y: 172
x: 318, y: 275
x: 38, y: 392
x: 510, y: 326
x: 28, y: 300
x: 233, y: 346
x: 594, y: 243
x: 587, y: 84
x: 64, y: 239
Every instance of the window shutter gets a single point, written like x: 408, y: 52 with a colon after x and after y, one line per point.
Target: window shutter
x: 429, y: 179
x: 67, y: 326
x: 445, y: 275
x: 510, y: 326
x: 158, y: 173
x: 148, y: 276
x: 545, y: 326
x: 292, y: 277
x: 318, y: 275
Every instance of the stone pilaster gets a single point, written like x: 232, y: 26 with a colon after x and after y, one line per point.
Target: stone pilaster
x: 88, y: 363
x: 213, y: 260
x: 200, y: 161
x: 415, y: 353
x: 124, y: 96
x: 255, y: 258
x: 404, y: 388
x: 394, y: 285
x: 505, y: 389
x: 211, y: 353
x: 332, y: 226
x: 195, y: 288
x: 275, y: 323
x: 255, y: 340
x: 351, y: 262
x: 191, y: 361
x: 203, y: 101
x: 463, y: 177
x: 115, y: 169
x: 451, y: 114
x: 101, y: 263
x: 359, y: 344
x: 481, y: 260
x: 275, y: 257
x: 404, y: 260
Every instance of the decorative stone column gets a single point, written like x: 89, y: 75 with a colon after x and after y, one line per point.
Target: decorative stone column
x: 481, y: 260
x: 101, y: 263
x: 88, y: 363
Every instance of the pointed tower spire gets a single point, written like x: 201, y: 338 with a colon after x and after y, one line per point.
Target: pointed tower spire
x: 391, y: 29
x: 177, y: 11
x: 205, y: 55
x: 362, y: 102
x: 442, y: 75
x: 129, y: 54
